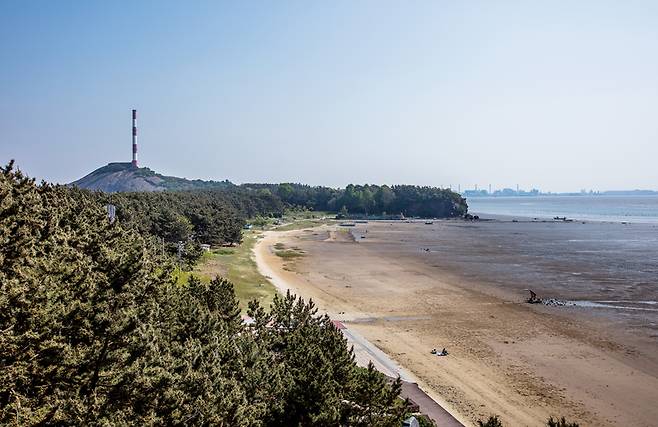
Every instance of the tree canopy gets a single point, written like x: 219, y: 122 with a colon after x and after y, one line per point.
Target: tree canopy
x: 409, y: 200
x: 94, y: 330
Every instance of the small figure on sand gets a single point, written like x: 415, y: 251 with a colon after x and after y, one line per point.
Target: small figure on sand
x: 444, y: 352
x: 533, y: 298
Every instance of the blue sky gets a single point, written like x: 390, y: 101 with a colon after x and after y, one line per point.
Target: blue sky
x: 555, y: 95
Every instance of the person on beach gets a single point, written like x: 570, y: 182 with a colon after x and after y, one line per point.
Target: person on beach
x: 444, y: 352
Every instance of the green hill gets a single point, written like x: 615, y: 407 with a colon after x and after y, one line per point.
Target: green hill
x: 124, y: 177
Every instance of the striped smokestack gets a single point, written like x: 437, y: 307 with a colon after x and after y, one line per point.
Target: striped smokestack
x: 135, y: 138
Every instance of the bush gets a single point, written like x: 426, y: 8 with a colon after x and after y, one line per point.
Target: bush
x: 493, y: 421
x: 562, y: 422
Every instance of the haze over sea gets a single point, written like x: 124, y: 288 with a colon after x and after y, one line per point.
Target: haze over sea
x: 591, y: 208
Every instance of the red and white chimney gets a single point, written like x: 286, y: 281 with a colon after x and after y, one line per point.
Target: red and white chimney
x: 134, y: 138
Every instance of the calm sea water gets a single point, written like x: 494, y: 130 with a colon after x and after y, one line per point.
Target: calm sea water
x: 594, y: 208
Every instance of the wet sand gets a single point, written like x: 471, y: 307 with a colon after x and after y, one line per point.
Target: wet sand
x: 519, y: 361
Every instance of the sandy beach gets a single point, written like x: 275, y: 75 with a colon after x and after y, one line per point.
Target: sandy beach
x: 509, y: 358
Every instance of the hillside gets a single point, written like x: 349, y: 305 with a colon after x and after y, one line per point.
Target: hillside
x: 122, y: 177
x: 355, y: 200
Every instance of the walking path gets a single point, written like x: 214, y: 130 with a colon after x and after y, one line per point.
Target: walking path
x: 366, y: 352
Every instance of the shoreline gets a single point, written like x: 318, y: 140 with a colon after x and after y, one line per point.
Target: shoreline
x: 364, y: 351
x: 517, y: 361
x: 577, y: 218
x: 587, y: 208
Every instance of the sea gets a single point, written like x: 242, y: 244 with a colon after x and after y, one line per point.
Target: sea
x: 638, y: 209
x: 603, y: 259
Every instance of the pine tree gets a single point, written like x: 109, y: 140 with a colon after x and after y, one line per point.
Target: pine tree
x: 94, y: 330
x: 73, y: 286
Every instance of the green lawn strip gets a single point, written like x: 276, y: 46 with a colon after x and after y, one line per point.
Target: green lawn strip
x: 236, y: 265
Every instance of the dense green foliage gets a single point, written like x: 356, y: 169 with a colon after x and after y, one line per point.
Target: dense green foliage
x: 93, y: 330
x: 216, y: 216
x: 213, y: 217
x: 408, y: 200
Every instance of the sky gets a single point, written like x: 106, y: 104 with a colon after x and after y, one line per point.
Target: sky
x: 557, y: 95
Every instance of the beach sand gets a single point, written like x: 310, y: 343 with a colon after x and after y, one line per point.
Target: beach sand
x: 522, y: 362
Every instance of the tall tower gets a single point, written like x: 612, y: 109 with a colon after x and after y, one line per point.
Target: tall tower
x: 134, y: 138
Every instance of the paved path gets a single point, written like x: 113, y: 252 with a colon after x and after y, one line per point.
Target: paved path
x: 428, y: 406
x: 364, y: 352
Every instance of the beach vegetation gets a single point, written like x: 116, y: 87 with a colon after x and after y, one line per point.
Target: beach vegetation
x: 96, y: 330
x: 223, y: 251
x: 493, y: 421
x: 289, y: 253
x: 184, y: 220
x: 560, y: 422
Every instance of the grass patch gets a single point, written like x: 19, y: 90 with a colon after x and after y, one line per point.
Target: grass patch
x: 289, y: 254
x: 294, y: 214
x: 236, y: 265
x: 224, y: 251
x: 182, y: 276
x: 302, y: 223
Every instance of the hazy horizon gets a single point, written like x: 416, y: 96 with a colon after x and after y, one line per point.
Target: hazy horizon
x: 559, y: 97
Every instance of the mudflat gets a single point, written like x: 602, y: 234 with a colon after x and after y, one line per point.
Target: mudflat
x: 412, y: 287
